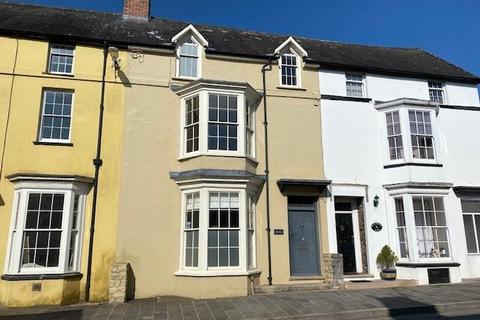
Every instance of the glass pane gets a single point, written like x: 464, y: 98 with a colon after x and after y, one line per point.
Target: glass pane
x: 471, y: 206
x: 212, y: 257
x: 212, y: 239
x: 234, y: 257
x: 223, y: 257
x: 477, y: 226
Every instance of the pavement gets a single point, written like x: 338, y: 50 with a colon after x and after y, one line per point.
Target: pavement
x: 449, y: 301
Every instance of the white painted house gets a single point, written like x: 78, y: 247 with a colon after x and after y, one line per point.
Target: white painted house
x: 403, y: 153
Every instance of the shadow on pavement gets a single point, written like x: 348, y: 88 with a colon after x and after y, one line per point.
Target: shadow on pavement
x: 406, y: 308
x: 57, y: 315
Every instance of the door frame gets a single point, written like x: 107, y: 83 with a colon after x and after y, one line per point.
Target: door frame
x: 356, y: 228
x: 314, y: 210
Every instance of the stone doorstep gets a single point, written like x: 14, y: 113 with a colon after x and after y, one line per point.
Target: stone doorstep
x: 266, y: 289
x: 385, y: 313
x: 353, y: 284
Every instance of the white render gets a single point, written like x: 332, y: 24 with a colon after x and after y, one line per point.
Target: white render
x: 355, y: 152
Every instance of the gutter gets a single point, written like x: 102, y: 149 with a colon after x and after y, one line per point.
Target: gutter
x: 267, y: 67
x: 97, y: 162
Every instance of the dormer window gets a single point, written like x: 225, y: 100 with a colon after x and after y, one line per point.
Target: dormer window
x: 189, y: 51
x: 188, y: 59
x: 289, y: 69
x: 435, y: 90
x: 291, y: 56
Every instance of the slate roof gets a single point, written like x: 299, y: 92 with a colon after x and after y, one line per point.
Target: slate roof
x: 92, y: 26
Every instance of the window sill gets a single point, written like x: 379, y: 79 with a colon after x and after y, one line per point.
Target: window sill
x: 433, y: 264
x: 226, y: 155
x: 413, y: 164
x: 70, y: 75
x: 44, y: 143
x: 216, y: 273
x: 26, y: 277
x: 345, y: 98
x: 291, y: 88
x: 184, y: 79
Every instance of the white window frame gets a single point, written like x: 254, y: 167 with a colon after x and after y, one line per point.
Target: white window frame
x: 17, y: 227
x: 298, y: 67
x: 476, y: 233
x: 250, y: 151
x: 442, y: 90
x: 42, y: 110
x: 363, y: 83
x: 407, y: 196
x: 204, y: 190
x: 406, y: 136
x: 54, y: 45
x: 203, y: 125
x: 199, y: 58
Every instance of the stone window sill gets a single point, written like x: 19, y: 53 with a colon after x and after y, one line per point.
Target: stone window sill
x: 27, y: 277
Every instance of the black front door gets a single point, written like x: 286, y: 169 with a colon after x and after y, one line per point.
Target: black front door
x: 303, y: 237
x: 345, y: 241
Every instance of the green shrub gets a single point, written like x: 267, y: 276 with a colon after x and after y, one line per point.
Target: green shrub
x: 386, y: 258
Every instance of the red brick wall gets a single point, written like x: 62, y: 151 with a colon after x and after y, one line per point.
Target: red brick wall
x: 137, y: 8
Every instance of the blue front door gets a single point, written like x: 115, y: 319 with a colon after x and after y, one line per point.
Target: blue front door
x: 302, y: 225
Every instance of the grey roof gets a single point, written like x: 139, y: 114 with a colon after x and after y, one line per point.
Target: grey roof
x: 92, y: 26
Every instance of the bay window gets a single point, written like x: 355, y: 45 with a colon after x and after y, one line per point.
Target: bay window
x: 422, y: 231
x: 46, y: 229
x: 431, y: 227
x: 218, y: 233
x: 410, y: 135
x: 217, y: 119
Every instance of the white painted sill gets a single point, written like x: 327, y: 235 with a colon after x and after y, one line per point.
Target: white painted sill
x: 216, y: 154
x: 216, y: 273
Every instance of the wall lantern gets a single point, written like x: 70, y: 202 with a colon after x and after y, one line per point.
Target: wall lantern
x: 375, y: 200
x: 113, y: 52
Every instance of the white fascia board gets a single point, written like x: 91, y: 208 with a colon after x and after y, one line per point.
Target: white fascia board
x: 190, y: 29
x: 293, y: 43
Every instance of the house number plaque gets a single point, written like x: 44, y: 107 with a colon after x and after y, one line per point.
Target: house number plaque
x: 377, y: 226
x: 278, y: 232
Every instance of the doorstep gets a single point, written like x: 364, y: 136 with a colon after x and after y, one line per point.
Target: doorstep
x: 378, y: 284
x: 278, y: 288
x: 358, y: 276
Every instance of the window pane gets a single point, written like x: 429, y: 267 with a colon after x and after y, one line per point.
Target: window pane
x: 223, y: 241
x: 41, y: 248
x: 56, y: 117
x: 431, y: 229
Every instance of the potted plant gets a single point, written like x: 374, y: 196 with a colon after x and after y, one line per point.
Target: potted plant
x: 386, y: 260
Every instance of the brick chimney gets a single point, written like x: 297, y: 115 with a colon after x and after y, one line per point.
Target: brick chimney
x: 138, y: 9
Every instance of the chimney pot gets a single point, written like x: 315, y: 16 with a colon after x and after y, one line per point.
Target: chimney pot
x: 139, y: 9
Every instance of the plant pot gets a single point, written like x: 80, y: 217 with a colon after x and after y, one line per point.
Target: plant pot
x: 388, y: 274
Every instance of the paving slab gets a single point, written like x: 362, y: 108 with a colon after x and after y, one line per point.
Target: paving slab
x: 379, y: 303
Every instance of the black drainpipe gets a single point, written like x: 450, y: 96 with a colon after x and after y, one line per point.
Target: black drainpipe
x: 97, y: 162
x: 265, y: 68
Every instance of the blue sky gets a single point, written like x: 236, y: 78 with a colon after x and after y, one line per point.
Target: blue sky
x: 447, y: 28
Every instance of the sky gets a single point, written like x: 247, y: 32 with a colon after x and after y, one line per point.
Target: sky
x: 446, y: 28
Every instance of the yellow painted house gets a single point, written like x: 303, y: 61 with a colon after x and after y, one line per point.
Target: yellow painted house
x: 50, y: 98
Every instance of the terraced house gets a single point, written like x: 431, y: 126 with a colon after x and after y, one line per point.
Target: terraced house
x: 208, y: 148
